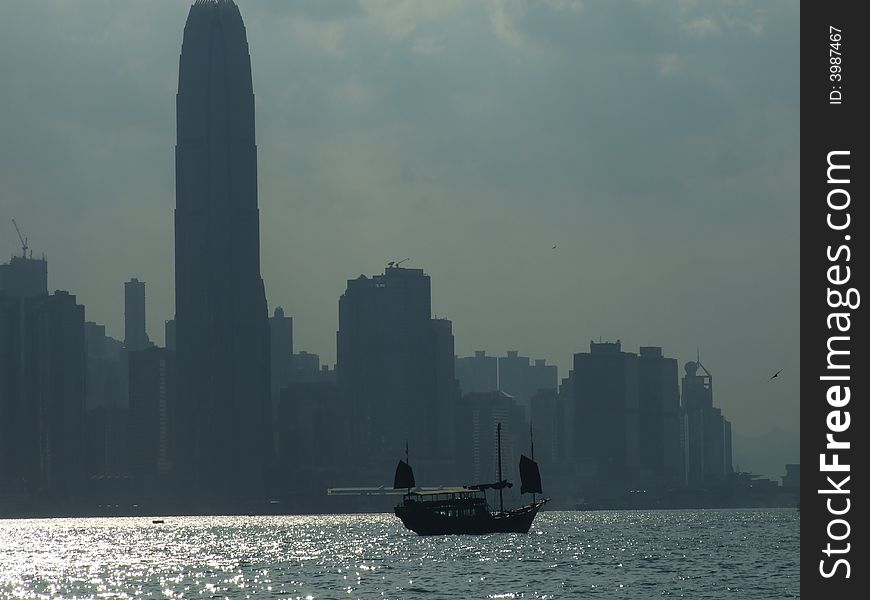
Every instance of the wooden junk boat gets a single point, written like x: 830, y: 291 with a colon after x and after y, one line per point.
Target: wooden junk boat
x: 464, y: 510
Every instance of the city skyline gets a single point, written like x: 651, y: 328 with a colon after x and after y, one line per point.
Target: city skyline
x: 387, y: 190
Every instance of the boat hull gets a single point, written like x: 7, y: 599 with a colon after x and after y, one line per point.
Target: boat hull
x: 423, y: 520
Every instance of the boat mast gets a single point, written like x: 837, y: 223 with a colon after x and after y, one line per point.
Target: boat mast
x: 532, y: 438
x: 501, y: 487
x: 406, y: 461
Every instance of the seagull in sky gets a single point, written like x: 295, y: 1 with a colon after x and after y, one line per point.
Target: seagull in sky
x: 776, y: 374
x: 554, y: 246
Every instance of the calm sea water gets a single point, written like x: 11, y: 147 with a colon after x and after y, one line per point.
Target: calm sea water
x: 620, y: 554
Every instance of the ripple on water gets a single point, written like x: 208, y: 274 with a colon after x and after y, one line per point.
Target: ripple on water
x: 614, y: 554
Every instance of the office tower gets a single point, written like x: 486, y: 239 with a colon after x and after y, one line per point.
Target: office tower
x: 42, y: 384
x: 42, y: 394
x: 478, y: 373
x: 23, y: 276
x: 281, y: 343
x: 606, y: 413
x: 152, y: 412
x: 513, y: 376
x: 446, y: 389
x: 106, y: 372
x: 222, y: 332
x: 135, y: 337
x: 705, y: 428
x: 522, y: 380
x: 658, y: 395
x: 548, y: 418
x: 169, y: 334
x: 394, y: 373
x: 11, y: 400
x: 729, y: 464
x: 479, y: 415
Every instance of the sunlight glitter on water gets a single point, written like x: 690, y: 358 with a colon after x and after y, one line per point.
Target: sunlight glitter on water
x: 691, y: 554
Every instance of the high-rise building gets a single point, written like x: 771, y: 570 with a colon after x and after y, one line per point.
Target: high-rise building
x: 522, y: 380
x: 222, y: 331
x: 396, y: 371
x: 446, y: 390
x: 107, y: 385
x: 658, y: 395
x: 42, y: 394
x: 706, y: 444
x: 152, y: 412
x: 606, y: 427
x: 135, y: 337
x: 480, y: 413
x: 42, y: 383
x: 281, y: 342
x: 24, y: 276
x: 169, y: 334
x: 478, y: 373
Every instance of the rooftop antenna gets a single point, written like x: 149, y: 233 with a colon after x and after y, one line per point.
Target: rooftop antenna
x: 23, y: 240
x: 401, y: 261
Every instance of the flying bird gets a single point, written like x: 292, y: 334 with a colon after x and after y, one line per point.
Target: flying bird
x: 776, y: 374
x: 554, y: 246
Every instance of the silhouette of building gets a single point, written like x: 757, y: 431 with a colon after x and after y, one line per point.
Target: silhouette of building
x: 548, y: 421
x: 658, y: 395
x: 135, y: 337
x: 726, y: 430
x: 169, y: 333
x: 706, y: 444
x: 478, y: 373
x: 222, y: 331
x: 305, y: 364
x: 281, y: 343
x: 521, y: 380
x: 152, y: 417
x: 107, y: 385
x: 42, y: 393
x: 396, y: 371
x: 792, y: 478
x: 479, y: 415
x: 43, y: 371
x: 24, y: 276
x: 312, y: 431
x: 606, y: 424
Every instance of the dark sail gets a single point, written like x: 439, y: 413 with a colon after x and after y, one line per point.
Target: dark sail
x: 530, y: 476
x: 404, y: 476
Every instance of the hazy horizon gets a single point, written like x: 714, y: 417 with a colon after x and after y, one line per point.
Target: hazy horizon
x: 655, y: 144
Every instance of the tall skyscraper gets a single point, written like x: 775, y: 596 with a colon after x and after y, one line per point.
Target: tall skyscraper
x: 478, y: 373
x: 23, y: 276
x: 222, y: 332
x: 396, y: 372
x: 151, y: 417
x: 706, y: 460
x: 42, y: 394
x: 606, y: 427
x: 135, y: 337
x: 658, y: 396
x: 281, y: 342
x: 522, y: 380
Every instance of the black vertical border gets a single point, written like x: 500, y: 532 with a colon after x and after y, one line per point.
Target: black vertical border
x: 827, y: 127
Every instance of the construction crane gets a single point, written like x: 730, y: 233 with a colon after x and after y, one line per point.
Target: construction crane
x: 22, y: 238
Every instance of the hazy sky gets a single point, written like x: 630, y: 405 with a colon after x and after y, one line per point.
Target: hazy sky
x: 656, y: 143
